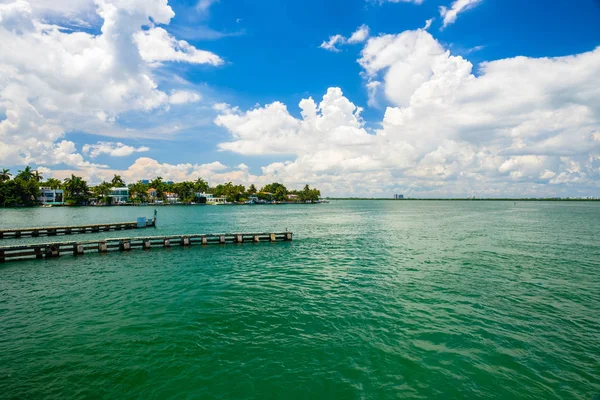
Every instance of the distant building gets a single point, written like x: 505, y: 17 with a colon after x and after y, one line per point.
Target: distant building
x: 51, y: 196
x: 398, y: 197
x: 119, y: 195
x: 151, y: 193
x: 209, y: 198
x: 145, y: 181
x: 171, y: 197
x: 169, y: 182
x: 292, y: 197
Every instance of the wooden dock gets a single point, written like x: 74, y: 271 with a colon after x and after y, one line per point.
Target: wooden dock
x: 16, y: 233
x: 79, y: 248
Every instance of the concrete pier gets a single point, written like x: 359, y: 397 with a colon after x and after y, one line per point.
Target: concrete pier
x: 16, y: 233
x: 79, y: 248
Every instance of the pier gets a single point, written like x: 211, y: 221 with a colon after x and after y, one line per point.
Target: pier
x: 16, y: 233
x: 79, y: 248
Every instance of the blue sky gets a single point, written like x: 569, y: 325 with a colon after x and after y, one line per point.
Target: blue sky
x: 266, y: 52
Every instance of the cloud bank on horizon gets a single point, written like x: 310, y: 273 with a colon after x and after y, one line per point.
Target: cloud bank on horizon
x: 98, y: 87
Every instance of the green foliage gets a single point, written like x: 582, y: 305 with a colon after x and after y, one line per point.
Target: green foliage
x: 117, y: 181
x: 138, y: 192
x: 52, y: 183
x: 23, y: 190
x: 233, y: 193
x: 76, y: 190
x: 308, y: 195
x: 201, y: 186
x: 277, y: 190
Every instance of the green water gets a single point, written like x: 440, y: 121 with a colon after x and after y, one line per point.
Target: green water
x: 371, y: 300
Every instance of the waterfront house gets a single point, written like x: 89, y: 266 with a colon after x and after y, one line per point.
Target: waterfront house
x: 119, y: 195
x: 292, y: 197
x: 152, y: 194
x: 51, y: 196
x: 209, y: 198
x: 171, y: 197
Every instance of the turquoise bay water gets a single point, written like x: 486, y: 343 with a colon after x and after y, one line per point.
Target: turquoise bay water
x: 372, y: 299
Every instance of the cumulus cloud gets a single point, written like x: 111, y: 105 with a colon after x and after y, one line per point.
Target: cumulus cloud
x: 113, y: 149
x: 54, y: 80
x: 450, y: 15
x: 158, y: 45
x: 512, y: 129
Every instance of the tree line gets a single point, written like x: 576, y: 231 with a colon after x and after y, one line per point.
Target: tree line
x: 24, y: 190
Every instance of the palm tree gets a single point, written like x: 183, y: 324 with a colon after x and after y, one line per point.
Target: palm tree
x: 25, y: 174
x: 252, y: 189
x: 76, y: 188
x: 53, y: 183
x: 5, y: 175
x: 117, y: 181
x: 37, y: 176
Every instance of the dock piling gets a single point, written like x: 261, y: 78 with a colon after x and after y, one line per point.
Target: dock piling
x: 78, y: 248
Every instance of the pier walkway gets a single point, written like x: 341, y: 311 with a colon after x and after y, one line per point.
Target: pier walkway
x: 16, y: 233
x: 78, y: 248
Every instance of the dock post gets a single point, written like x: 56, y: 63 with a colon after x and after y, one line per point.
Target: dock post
x: 288, y: 236
x: 1, y: 256
x: 52, y: 251
x: 38, y: 252
x: 273, y: 237
x: 51, y: 232
x: 239, y: 238
x: 222, y: 239
x: 102, y: 247
x: 256, y: 239
x: 124, y: 245
x: 185, y: 241
x: 147, y: 245
x: 77, y: 249
x: 167, y: 243
x: 1, y: 235
x: 35, y: 233
x: 17, y: 234
x: 68, y: 231
x: 106, y: 228
x: 204, y: 240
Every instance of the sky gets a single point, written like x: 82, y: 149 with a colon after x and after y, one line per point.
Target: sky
x: 426, y: 98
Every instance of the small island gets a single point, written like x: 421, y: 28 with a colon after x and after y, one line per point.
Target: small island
x: 28, y: 189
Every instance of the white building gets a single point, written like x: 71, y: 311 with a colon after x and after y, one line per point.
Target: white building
x: 119, y: 195
x: 51, y: 196
x: 171, y: 197
x: 211, y: 199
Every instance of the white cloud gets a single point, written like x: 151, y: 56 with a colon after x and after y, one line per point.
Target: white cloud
x: 450, y: 15
x: 53, y: 80
x: 360, y: 35
x: 333, y: 42
x: 183, y: 97
x: 113, y: 149
x: 158, y: 45
x: 428, y: 23
x: 446, y: 131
